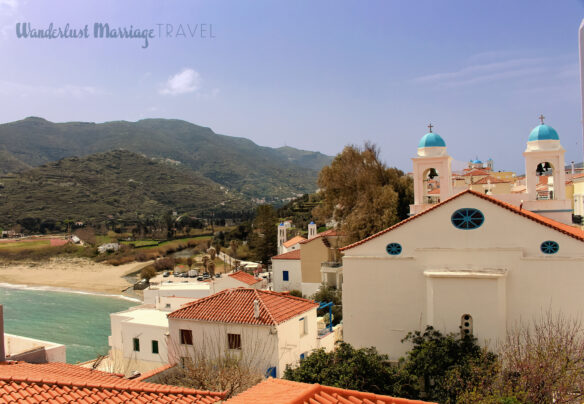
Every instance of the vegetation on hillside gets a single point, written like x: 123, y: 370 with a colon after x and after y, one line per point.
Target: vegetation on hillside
x: 110, y: 187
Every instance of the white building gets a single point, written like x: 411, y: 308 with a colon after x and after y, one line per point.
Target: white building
x: 265, y: 330
x: 471, y: 263
x: 139, y: 339
x: 287, y: 272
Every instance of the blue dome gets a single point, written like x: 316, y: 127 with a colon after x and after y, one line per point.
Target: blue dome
x: 477, y: 162
x: 543, y: 132
x: 431, y: 140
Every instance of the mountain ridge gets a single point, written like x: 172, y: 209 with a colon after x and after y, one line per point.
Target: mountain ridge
x: 258, y: 172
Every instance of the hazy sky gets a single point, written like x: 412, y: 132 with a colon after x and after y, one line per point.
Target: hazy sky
x: 316, y: 75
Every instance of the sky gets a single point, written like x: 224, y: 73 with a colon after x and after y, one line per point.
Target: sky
x: 316, y: 75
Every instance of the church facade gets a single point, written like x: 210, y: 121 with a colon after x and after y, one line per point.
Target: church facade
x: 472, y: 263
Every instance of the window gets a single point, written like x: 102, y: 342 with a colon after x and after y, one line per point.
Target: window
x: 303, y: 326
x: 467, y: 219
x: 154, y: 346
x: 466, y: 325
x: 549, y: 247
x: 234, y: 341
x: 136, y: 342
x: 186, y: 337
x: 167, y: 306
x: 285, y: 276
x: 393, y: 249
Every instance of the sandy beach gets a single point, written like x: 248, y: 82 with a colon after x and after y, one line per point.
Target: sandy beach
x: 78, y: 274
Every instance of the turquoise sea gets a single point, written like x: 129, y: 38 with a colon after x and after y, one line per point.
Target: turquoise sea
x: 80, y: 321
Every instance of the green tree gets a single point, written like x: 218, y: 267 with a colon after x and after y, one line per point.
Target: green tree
x: 264, y: 240
x: 362, y: 193
x: 447, y: 365
x: 358, y: 369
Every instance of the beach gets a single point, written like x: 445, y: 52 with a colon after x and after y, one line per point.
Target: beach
x: 72, y: 273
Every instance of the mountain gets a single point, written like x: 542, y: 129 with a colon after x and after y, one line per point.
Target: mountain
x: 236, y: 163
x: 118, y: 184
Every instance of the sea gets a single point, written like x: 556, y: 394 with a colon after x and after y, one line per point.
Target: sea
x: 79, y: 320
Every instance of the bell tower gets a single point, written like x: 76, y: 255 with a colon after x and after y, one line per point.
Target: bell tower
x: 432, y: 172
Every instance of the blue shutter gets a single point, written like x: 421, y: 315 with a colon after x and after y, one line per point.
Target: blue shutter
x: 285, y: 275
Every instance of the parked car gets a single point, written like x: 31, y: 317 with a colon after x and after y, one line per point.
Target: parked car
x: 200, y: 278
x: 166, y: 274
x: 217, y: 275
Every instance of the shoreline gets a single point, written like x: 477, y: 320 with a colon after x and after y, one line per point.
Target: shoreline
x: 45, y: 288
x: 73, y: 275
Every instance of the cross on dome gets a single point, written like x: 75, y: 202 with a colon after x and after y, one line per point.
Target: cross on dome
x: 541, y: 118
x: 430, y: 126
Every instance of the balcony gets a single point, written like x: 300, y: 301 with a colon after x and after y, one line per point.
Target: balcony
x: 332, y: 274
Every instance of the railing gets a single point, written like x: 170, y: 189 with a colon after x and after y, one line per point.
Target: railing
x: 332, y: 264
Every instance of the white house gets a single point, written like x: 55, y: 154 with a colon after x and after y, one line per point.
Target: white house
x: 266, y: 330
x: 287, y: 272
x: 139, y: 339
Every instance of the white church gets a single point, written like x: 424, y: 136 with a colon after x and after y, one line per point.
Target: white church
x: 472, y: 263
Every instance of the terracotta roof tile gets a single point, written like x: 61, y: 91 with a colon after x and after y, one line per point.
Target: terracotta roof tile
x: 237, y: 306
x: 435, y: 191
x: 290, y: 255
x: 475, y: 173
x: 294, y: 240
x: 493, y: 180
x: 561, y: 227
x: 244, y: 277
x: 64, y: 383
x: 285, y: 391
x: 330, y: 232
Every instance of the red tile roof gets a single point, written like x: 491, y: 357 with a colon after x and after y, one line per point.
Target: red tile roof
x: 285, y: 391
x: 63, y: 383
x: 561, y: 227
x: 294, y: 240
x: 435, y: 191
x: 330, y: 232
x: 475, y: 173
x: 237, y: 306
x: 153, y: 372
x: 244, y: 277
x: 493, y: 180
x: 290, y: 255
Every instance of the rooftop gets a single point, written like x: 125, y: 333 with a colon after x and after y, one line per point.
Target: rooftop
x: 293, y: 240
x: 493, y: 180
x: 285, y: 391
x: 244, y: 277
x: 64, y: 383
x: 561, y: 227
x: 237, y: 306
x: 290, y: 255
x: 326, y: 233
x: 145, y: 314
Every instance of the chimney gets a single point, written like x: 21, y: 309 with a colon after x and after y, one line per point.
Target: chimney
x: 2, y: 352
x: 256, y: 308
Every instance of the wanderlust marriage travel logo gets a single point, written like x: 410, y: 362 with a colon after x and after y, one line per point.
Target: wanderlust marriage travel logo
x: 101, y: 30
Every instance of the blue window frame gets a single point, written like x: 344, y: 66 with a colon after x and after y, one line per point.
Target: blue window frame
x: 285, y: 276
x: 549, y: 247
x: 393, y: 248
x: 467, y: 219
x: 271, y: 372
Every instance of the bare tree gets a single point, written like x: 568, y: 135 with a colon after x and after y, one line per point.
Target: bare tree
x: 545, y: 358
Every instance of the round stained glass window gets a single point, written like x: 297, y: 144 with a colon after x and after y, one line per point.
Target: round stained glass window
x: 393, y: 249
x: 467, y: 218
x: 549, y: 247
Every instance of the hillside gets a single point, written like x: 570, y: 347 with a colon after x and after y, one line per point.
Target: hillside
x: 236, y: 163
x: 118, y: 184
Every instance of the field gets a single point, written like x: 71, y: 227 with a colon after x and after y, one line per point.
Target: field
x: 24, y: 244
